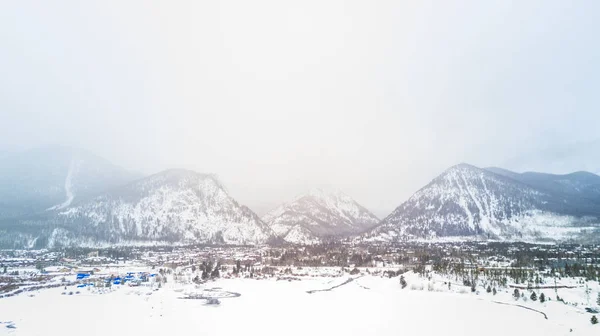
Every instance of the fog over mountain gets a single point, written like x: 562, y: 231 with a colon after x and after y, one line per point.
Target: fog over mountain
x: 372, y: 98
x: 319, y: 215
x: 54, y: 177
x: 60, y: 196
x: 313, y: 167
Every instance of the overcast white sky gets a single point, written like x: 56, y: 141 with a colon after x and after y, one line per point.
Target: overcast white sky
x: 276, y: 97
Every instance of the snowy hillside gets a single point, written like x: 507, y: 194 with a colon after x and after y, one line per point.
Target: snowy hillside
x: 317, y: 215
x: 583, y: 184
x: 469, y: 201
x: 163, y: 312
x: 173, y: 206
x: 52, y: 178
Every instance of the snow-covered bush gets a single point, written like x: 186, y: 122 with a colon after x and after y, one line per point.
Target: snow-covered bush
x: 516, y: 294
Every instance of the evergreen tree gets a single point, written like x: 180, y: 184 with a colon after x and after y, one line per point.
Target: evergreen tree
x: 516, y: 294
x: 533, y: 297
x: 403, y: 281
x: 489, y: 289
x: 594, y: 320
x: 215, y: 273
x: 542, y: 298
x: 597, y: 299
x: 494, y: 291
x: 209, y: 267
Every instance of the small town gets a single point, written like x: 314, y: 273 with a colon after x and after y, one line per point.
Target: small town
x: 517, y: 265
x: 297, y: 168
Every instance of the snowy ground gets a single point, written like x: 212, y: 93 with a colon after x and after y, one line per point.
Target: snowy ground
x: 367, y: 305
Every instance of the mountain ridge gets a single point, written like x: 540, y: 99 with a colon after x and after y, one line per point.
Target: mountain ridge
x: 581, y: 183
x: 318, y: 215
x: 176, y: 205
x: 63, y: 196
x: 469, y: 201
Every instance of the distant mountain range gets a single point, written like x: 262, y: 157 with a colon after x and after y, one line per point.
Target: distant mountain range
x: 319, y: 215
x: 580, y: 184
x: 58, y: 196
x: 466, y: 202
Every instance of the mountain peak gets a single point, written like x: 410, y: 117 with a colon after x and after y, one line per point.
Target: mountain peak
x: 492, y: 203
x: 173, y: 206
x: 181, y: 176
x: 179, y: 173
x: 322, y: 193
x: 319, y: 214
x: 463, y: 166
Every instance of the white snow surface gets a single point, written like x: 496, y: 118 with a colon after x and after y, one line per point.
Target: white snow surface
x: 368, y: 305
x: 318, y: 214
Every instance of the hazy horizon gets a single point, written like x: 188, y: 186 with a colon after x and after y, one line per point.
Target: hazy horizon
x: 372, y: 99
x: 259, y: 206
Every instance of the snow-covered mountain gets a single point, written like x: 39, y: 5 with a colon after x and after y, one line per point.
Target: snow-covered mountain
x: 318, y: 215
x: 466, y: 201
x: 175, y: 206
x: 52, y: 178
x: 581, y: 184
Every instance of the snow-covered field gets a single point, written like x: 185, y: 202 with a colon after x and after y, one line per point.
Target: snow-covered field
x: 368, y: 305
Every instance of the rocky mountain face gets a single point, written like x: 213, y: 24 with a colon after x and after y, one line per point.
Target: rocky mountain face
x: 53, y: 178
x: 319, y: 215
x: 175, y: 206
x: 466, y: 201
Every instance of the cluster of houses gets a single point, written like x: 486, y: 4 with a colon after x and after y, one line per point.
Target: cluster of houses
x: 90, y: 278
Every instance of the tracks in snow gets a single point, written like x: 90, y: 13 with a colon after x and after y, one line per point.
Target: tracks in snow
x: 349, y: 280
x: 517, y: 305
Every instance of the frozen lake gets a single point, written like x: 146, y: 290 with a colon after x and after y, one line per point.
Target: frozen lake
x: 366, y: 306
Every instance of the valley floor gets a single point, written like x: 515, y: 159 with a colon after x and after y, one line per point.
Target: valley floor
x: 366, y: 305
